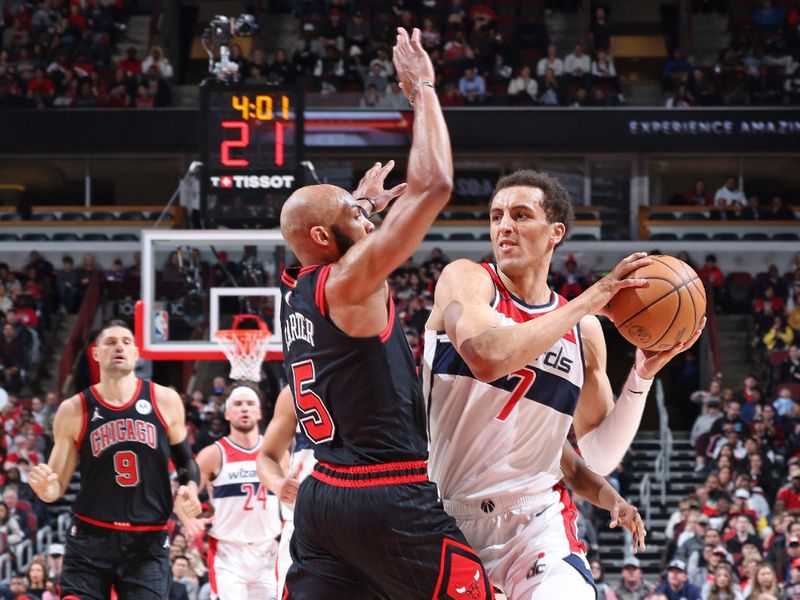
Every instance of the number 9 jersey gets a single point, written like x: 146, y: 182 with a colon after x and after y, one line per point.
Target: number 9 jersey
x: 356, y: 399
x: 123, y: 457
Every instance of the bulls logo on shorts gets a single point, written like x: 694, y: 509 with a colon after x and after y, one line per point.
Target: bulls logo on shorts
x: 461, y: 574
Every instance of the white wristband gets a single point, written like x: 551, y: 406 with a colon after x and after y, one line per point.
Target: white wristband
x: 604, y: 447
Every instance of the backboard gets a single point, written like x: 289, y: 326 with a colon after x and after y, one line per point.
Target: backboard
x: 195, y: 281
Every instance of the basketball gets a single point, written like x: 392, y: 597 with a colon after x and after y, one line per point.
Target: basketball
x: 664, y: 313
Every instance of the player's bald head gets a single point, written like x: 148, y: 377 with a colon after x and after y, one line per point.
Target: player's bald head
x: 309, y: 207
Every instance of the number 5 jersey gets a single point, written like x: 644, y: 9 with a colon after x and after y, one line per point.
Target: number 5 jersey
x: 357, y: 399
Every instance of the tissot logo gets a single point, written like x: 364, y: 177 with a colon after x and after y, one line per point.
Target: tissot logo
x: 252, y: 182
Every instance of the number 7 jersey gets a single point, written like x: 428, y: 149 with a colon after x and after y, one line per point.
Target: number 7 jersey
x: 503, y: 436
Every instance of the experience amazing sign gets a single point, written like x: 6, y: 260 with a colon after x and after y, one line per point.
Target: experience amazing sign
x: 714, y: 127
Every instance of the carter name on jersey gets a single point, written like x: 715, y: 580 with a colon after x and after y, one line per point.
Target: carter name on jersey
x: 298, y: 328
x: 122, y: 430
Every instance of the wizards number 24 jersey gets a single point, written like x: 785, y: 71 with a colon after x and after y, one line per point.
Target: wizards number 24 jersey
x: 244, y: 511
x: 505, y: 436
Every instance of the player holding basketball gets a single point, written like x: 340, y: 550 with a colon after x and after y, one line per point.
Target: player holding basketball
x: 368, y: 522
x: 243, y: 544
x: 284, y: 432
x: 122, y: 433
x: 508, y: 364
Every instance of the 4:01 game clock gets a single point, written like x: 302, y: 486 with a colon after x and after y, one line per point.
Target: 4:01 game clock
x: 251, y: 142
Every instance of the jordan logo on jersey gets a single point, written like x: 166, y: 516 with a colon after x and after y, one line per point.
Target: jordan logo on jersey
x: 97, y: 416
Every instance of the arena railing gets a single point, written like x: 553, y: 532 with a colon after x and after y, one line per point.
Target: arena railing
x: 661, y: 468
x: 712, y: 329
x: 645, y: 499
x: 6, y: 568
x: 660, y: 223
x: 78, y: 335
x: 44, y: 537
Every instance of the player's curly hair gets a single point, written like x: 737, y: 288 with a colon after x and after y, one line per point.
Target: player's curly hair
x: 557, y: 203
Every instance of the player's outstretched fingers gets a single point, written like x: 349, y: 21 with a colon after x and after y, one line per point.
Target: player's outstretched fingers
x: 397, y: 190
x: 416, y: 44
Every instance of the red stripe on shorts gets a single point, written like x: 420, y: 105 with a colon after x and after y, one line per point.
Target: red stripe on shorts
x: 570, y: 516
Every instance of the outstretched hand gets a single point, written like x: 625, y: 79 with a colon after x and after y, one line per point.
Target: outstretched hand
x: 600, y: 294
x: 647, y: 362
x: 411, y: 61
x: 627, y: 516
x: 371, y: 186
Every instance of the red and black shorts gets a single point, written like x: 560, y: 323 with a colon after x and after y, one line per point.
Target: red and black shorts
x: 135, y: 562
x: 378, y: 531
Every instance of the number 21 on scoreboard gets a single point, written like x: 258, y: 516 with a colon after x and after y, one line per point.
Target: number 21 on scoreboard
x: 261, y: 110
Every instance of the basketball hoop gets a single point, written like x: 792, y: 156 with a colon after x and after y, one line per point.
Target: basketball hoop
x: 244, y: 348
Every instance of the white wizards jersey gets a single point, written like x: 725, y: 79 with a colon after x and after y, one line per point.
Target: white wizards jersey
x: 506, y: 436
x: 245, y: 512
x: 302, y: 452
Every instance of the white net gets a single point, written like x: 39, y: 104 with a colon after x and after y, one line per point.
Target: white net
x: 245, y: 350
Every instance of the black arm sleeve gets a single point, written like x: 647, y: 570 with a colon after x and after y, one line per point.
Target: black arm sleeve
x: 184, y: 462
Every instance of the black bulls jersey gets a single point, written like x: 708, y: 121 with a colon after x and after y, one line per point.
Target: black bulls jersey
x: 124, y: 453
x: 358, y: 400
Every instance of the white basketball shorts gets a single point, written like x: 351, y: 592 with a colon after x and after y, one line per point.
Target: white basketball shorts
x: 528, y: 544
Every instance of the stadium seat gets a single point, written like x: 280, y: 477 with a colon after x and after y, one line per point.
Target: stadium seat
x: 154, y: 215
x: 10, y: 217
x: 485, y: 237
x: 662, y: 216
x: 102, y: 216
x: 132, y: 216
x: 755, y: 236
x: 583, y: 237
x: 462, y: 215
x: 125, y: 237
x: 461, y: 236
x: 73, y: 216
x: 738, y: 285
x: 65, y: 237
x: 35, y: 237
x: 693, y: 217
x: 43, y: 217
x: 431, y: 237
x: 725, y: 236
x: 664, y: 237
x: 585, y: 216
x: 9, y: 237
x: 695, y: 236
x: 94, y: 237
x: 794, y: 388
x: 785, y: 236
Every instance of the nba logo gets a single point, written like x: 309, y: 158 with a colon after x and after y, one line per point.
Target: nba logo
x: 160, y: 326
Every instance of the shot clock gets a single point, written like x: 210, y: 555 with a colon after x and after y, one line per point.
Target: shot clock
x: 251, y: 142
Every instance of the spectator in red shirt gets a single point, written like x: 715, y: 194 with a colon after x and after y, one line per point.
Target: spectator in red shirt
x: 76, y: 18
x: 699, y: 195
x: 41, y: 83
x: 131, y: 65
x: 711, y: 273
x: 791, y: 493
